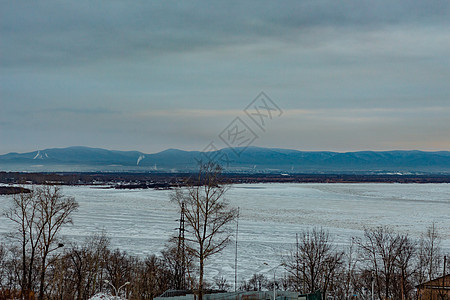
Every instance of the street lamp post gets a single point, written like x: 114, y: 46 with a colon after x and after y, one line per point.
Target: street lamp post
x: 116, y: 291
x: 373, y: 284
x: 274, y: 286
x: 274, y: 272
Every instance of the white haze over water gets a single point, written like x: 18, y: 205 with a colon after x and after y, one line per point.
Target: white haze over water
x: 141, y: 221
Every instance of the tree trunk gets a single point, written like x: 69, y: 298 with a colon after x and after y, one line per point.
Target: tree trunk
x: 24, y: 268
x: 41, y: 288
x: 200, y: 280
x: 30, y: 269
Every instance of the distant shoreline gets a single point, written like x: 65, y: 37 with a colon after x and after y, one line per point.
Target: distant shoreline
x: 12, y: 190
x: 172, y: 180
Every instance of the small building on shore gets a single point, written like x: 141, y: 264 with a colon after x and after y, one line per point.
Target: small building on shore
x: 436, y: 289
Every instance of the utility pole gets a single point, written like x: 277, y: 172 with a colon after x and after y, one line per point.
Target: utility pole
x: 274, y: 269
x: 443, y: 276
x: 304, y: 283
x: 297, y: 263
x: 236, y: 253
x: 180, y: 270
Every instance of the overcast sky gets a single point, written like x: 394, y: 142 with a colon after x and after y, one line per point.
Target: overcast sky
x: 147, y: 76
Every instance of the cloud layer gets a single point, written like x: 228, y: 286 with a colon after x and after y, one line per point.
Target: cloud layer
x: 350, y: 75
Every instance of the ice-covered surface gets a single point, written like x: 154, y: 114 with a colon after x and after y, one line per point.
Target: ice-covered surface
x: 141, y: 221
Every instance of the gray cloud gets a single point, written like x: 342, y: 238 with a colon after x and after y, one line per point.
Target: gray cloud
x: 55, y: 33
x: 83, y: 111
x: 152, y: 75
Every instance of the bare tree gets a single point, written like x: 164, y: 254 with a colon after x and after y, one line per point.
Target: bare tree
x: 3, y: 263
x: 207, y: 214
x: 39, y: 216
x: 429, y: 255
x: 345, y: 287
x: 315, y: 260
x: 174, y: 259
x: 257, y: 282
x: 389, y: 256
x: 222, y: 284
x: 54, y: 211
x: 25, y: 215
x: 84, y: 266
x: 404, y: 267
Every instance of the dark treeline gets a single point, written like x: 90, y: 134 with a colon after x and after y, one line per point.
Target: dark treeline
x: 83, y: 270
x: 168, y: 180
x: 393, y: 262
x: 11, y: 190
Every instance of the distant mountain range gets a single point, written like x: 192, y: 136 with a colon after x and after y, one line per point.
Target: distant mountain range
x: 252, y: 159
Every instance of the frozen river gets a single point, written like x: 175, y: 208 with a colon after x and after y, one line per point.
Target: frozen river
x: 141, y: 221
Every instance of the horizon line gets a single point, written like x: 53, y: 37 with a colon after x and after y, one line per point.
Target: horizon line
x: 225, y: 148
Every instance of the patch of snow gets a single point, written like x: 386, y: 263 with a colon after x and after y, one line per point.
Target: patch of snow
x: 102, y: 296
x: 37, y: 154
x: 40, y: 156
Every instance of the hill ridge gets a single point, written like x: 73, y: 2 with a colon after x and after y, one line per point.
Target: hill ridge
x: 256, y: 159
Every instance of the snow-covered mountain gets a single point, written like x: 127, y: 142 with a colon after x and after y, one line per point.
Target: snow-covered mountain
x: 252, y: 159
